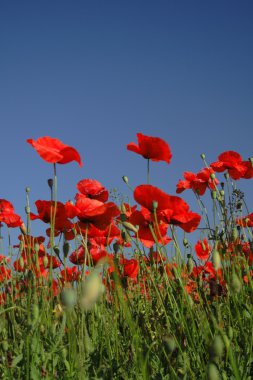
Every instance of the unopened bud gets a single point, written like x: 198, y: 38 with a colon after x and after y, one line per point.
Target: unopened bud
x: 21, y: 263
x: 23, y: 229
x: 236, y: 283
x: 27, y: 189
x: 234, y: 234
x: 216, y: 260
x: 45, y: 261
x: 217, y: 347
x: 50, y: 182
x: 190, y: 264
x: 170, y: 343
x: 125, y: 179
x: 214, y: 194
x: 130, y: 227
x: 251, y: 160
x: 66, y: 248
x: 56, y: 250
x: 68, y: 297
x: 123, y: 208
x: 212, y: 176
x: 36, y: 247
x: 203, y: 156
x: 27, y: 210
x: 116, y: 247
x: 185, y: 242
x: 155, y: 205
x: 212, y: 372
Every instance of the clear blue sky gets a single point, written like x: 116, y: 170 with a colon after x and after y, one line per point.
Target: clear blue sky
x: 94, y: 73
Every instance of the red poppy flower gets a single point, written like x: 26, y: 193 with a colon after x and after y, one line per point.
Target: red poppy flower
x: 78, y: 256
x: 7, y: 214
x: 202, y: 249
x: 232, y: 162
x: 54, y: 151
x: 70, y: 274
x: 249, y: 170
x: 93, y: 189
x: 103, y: 238
x: 144, y: 220
x: 152, y: 148
x: 5, y: 273
x: 170, y: 209
x: 246, y: 221
x: 131, y: 268
x: 92, y: 211
x: 197, y: 182
x: 46, y: 210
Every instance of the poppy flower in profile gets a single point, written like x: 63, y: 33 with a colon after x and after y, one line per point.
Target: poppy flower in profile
x: 232, y: 162
x: 7, y: 214
x: 131, y: 268
x: 249, y: 170
x: 93, y: 211
x: 197, y: 182
x: 93, y: 189
x: 54, y: 151
x: 170, y: 209
x: 152, y: 148
x: 144, y: 220
x: 202, y: 249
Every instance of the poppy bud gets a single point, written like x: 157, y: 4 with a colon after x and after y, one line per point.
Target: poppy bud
x: 45, y: 261
x: 230, y: 332
x: 190, y: 264
x: 185, y: 243
x: 170, y: 343
x: 27, y: 210
x: 50, y: 182
x: 5, y: 345
x: 251, y: 160
x: 66, y: 247
x: 116, y: 247
x: 222, y: 193
x: 36, y: 247
x: 123, y: 208
x: 21, y: 263
x: 27, y: 189
x: 125, y: 179
x: 216, y: 260
x: 217, y: 347
x: 236, y: 283
x: 56, y: 250
x: 130, y: 227
x: 212, y: 176
x: 234, y: 234
x: 155, y: 205
x: 212, y: 372
x: 214, y: 194
x: 23, y: 229
x: 203, y: 156
x: 68, y: 297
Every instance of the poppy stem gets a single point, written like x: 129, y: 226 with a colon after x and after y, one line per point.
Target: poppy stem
x: 55, y: 183
x: 148, y: 172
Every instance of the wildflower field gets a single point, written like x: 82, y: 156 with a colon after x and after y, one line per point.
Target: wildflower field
x: 120, y: 289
